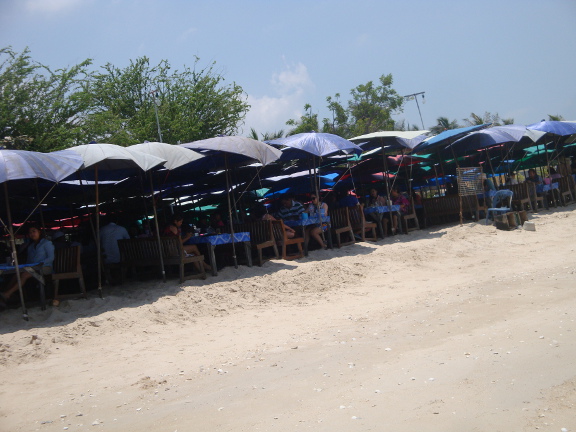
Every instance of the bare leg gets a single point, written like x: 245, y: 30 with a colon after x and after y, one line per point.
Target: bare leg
x: 315, y: 232
x: 13, y: 286
x: 394, y: 223
x: 193, y: 250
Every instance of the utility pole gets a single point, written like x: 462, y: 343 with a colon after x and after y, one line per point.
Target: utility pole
x: 415, y: 97
x: 154, y: 94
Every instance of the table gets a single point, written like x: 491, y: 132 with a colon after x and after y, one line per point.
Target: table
x: 35, y: 270
x: 385, y: 209
x: 211, y: 241
x: 549, y: 189
x: 305, y: 223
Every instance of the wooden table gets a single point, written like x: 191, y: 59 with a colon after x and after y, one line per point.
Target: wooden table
x: 381, y: 210
x: 211, y: 241
x: 35, y: 270
x: 305, y: 223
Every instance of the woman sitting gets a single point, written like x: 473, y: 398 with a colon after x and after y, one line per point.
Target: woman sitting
x: 39, y: 249
x: 402, y: 201
x: 315, y: 231
x: 175, y: 229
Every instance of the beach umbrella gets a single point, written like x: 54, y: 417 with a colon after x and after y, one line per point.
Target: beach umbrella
x: 235, y: 150
x: 559, y: 128
x: 22, y: 165
x: 391, y: 140
x: 115, y: 159
x: 175, y: 158
x: 314, y: 143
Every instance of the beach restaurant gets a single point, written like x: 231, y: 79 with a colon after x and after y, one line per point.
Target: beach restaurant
x: 156, y: 210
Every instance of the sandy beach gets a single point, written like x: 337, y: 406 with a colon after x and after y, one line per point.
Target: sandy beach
x: 452, y: 328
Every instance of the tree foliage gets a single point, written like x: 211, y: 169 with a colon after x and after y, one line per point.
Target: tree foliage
x: 370, y: 109
x: 45, y: 110
x: 476, y: 120
x: 557, y: 117
x: 307, y: 123
x: 442, y: 124
x: 40, y: 109
x: 192, y: 104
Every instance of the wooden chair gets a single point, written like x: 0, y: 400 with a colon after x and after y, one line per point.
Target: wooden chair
x: 566, y: 190
x: 534, y: 197
x: 261, y: 237
x: 359, y: 224
x: 411, y: 216
x: 67, y: 266
x: 280, y: 236
x: 143, y: 252
x: 340, y: 223
x: 521, y: 198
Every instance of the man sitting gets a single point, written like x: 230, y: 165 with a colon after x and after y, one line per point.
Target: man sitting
x: 290, y: 209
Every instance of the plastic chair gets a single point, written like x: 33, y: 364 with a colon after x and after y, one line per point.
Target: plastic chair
x: 498, y: 200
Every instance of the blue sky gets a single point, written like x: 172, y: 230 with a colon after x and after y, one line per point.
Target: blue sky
x: 513, y: 57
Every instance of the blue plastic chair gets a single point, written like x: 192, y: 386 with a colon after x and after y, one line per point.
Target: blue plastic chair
x: 501, y: 198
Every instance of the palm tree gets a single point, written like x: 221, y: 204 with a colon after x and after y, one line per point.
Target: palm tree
x: 442, y: 124
x: 265, y: 136
x: 476, y: 120
x: 556, y: 117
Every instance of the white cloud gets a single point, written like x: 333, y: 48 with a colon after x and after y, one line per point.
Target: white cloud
x: 270, y: 113
x: 51, y: 5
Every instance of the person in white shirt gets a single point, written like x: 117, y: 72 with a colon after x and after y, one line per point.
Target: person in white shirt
x: 109, y: 236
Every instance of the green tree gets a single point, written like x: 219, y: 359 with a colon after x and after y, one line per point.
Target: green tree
x: 40, y: 109
x: 442, y: 124
x: 307, y: 123
x: 338, y: 124
x: 265, y: 136
x: 476, y: 120
x: 372, y: 106
x: 192, y: 104
x: 556, y: 117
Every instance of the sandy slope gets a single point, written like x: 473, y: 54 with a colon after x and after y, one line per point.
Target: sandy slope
x: 448, y: 329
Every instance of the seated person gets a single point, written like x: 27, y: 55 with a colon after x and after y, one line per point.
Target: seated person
x: 290, y: 209
x: 315, y: 231
x: 400, y: 200
x: 216, y: 222
x: 552, y: 177
x: 175, y: 229
x: 375, y: 199
x: 38, y: 249
x: 109, y: 236
x: 533, y: 177
x: 347, y: 199
x: 512, y: 180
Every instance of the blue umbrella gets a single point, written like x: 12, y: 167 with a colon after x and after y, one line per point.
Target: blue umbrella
x: 486, y: 138
x: 446, y: 137
x: 559, y: 128
x: 314, y: 143
x: 22, y: 165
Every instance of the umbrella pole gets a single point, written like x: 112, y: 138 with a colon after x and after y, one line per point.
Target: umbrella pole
x: 15, y: 253
x: 157, y: 229
x: 98, y: 246
x: 385, y: 164
x: 38, y: 198
x: 230, y: 212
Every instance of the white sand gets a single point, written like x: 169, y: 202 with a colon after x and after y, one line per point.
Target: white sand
x: 448, y: 329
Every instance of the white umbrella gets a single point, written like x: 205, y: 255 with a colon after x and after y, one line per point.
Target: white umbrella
x: 111, y: 157
x: 21, y: 165
x: 242, y: 149
x: 175, y: 157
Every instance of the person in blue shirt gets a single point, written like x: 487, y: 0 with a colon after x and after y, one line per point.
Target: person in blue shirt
x: 347, y: 199
x: 39, y: 249
x: 290, y: 209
